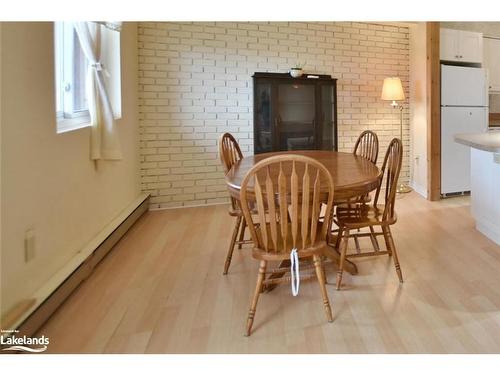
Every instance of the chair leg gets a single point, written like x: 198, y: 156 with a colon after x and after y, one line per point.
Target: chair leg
x: 390, y: 240
x: 331, y: 223
x: 258, y: 288
x: 387, y: 242
x: 321, y: 279
x: 374, y: 239
x: 242, y: 232
x: 324, y: 269
x: 231, y: 245
x: 339, y: 238
x: 343, y: 251
x: 356, y: 243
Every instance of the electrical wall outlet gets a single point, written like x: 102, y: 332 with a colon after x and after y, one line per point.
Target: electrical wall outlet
x: 29, y: 245
x: 496, y: 158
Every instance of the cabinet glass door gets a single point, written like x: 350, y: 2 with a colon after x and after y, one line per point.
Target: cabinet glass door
x: 326, y: 120
x: 263, y: 131
x: 296, y: 116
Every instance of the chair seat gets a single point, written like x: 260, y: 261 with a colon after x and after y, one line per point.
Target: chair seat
x: 355, y: 216
x: 272, y: 255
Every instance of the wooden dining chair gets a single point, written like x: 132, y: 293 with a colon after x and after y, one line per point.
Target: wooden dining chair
x: 287, y: 191
x: 354, y: 216
x: 366, y: 146
x: 230, y: 153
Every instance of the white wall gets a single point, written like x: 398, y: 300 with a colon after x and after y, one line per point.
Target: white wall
x: 49, y: 182
x: 418, y: 108
x: 195, y: 83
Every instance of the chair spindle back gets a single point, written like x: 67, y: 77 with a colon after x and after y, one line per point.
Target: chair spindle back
x: 229, y: 153
x: 390, y: 170
x: 367, y: 146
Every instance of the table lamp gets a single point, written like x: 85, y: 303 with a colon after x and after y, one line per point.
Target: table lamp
x: 393, y: 90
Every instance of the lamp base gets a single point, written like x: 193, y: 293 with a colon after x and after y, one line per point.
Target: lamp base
x: 403, y: 189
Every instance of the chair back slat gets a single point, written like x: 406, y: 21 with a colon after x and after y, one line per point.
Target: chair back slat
x: 272, y: 208
x: 390, y: 173
x: 283, y: 205
x: 367, y: 146
x: 315, y: 207
x: 287, y: 192
x: 261, y: 211
x: 294, y: 190
x: 305, y: 205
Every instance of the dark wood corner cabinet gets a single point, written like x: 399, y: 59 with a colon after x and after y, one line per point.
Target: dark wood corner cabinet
x: 294, y: 113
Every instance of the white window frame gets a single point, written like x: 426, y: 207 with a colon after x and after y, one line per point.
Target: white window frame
x: 67, y: 117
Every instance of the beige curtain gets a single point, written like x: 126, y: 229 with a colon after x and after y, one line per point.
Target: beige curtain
x: 104, y: 141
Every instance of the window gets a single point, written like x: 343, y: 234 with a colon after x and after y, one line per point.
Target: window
x: 71, y: 71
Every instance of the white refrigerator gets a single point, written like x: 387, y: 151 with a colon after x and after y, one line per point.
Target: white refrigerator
x: 464, y: 109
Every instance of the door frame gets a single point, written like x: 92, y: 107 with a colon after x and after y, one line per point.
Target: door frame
x: 433, y: 84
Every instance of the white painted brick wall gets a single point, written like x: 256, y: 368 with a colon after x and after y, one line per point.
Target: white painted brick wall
x: 195, y: 83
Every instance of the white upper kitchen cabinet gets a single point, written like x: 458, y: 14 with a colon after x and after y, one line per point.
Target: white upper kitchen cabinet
x: 448, y: 45
x: 492, y: 62
x: 461, y: 46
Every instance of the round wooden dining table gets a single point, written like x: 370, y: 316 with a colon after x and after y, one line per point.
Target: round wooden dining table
x: 352, y: 175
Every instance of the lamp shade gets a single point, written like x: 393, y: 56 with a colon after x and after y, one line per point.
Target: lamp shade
x: 392, y: 89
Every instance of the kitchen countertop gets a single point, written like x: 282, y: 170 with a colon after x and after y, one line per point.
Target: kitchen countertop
x: 488, y: 141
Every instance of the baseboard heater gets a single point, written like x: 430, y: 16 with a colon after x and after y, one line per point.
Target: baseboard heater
x: 35, y: 320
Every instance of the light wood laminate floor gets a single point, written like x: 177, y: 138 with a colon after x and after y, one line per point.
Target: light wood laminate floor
x: 161, y: 290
